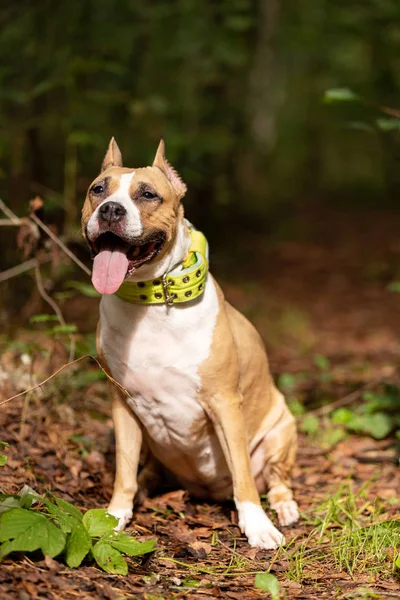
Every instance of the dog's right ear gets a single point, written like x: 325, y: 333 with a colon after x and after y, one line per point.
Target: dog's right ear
x: 113, y: 157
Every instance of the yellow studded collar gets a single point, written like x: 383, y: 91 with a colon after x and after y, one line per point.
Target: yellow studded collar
x: 179, y: 285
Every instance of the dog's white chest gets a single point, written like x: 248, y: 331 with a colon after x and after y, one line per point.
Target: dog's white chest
x: 156, y: 352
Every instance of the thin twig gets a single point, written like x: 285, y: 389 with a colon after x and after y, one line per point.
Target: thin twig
x: 18, y: 269
x: 346, y: 400
x: 59, y: 243
x: 8, y: 212
x: 110, y: 378
x: 55, y: 307
x: 9, y: 223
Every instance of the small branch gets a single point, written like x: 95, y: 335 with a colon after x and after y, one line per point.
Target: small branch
x: 9, y: 223
x: 22, y: 268
x: 35, y: 387
x: 59, y: 243
x: 54, y: 306
x: 346, y: 400
x: 9, y: 213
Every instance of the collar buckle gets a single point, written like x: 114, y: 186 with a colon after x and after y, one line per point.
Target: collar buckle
x: 169, y: 298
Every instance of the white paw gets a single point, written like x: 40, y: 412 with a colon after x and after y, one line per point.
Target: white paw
x: 124, y: 515
x: 259, y: 529
x: 288, y: 512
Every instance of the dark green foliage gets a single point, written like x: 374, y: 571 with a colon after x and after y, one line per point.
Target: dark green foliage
x: 29, y: 522
x: 234, y: 87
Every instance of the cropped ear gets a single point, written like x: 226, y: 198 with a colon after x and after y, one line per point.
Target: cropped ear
x: 113, y: 157
x: 161, y: 162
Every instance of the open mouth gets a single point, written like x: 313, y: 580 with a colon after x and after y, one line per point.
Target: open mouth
x: 115, y: 259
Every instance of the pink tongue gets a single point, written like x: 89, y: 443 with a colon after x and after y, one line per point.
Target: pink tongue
x: 109, y: 270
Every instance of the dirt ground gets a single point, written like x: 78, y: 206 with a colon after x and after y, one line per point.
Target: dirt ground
x: 324, y: 294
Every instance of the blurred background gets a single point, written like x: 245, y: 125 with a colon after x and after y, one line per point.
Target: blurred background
x: 281, y: 118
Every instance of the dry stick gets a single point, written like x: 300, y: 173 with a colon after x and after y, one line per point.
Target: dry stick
x: 9, y: 213
x: 346, y: 400
x: 59, y: 243
x: 26, y: 266
x: 9, y: 223
x: 55, y: 307
x: 121, y: 387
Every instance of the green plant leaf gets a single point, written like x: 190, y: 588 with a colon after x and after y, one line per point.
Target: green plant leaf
x: 99, y: 522
x: 9, y: 502
x: 379, y: 425
x: 398, y: 561
x: 43, y: 318
x: 23, y: 530
x: 69, y: 508
x: 78, y: 545
x: 310, y: 424
x: 321, y: 362
x: 3, y: 460
x: 340, y: 95
x: 386, y: 124
x: 269, y: 583
x: 394, y: 286
x: 109, y: 559
x: 128, y: 545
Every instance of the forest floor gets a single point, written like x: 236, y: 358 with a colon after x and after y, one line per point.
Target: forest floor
x: 332, y: 329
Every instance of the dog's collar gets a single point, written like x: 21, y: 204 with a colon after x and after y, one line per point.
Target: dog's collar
x: 183, y: 283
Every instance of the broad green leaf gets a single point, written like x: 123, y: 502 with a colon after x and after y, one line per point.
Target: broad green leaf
x: 3, y: 460
x: 379, y: 425
x: 109, y: 559
x: 65, y: 521
x: 78, y: 545
x: 128, y: 545
x: 398, y: 561
x: 340, y: 95
x: 9, y: 502
x: 69, y: 508
x: 269, y: 583
x: 99, y: 522
x: 25, y: 531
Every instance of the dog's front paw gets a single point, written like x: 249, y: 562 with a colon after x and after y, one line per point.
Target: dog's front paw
x: 258, y: 528
x: 124, y: 515
x: 288, y: 512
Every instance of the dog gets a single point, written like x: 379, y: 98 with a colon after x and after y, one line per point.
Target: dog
x: 199, y: 393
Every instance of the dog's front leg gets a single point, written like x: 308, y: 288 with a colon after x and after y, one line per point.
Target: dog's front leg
x: 226, y: 414
x: 128, y: 442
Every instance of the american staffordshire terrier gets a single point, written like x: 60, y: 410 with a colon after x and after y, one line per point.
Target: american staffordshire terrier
x: 201, y: 397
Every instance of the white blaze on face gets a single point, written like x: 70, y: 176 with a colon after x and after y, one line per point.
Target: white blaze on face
x: 111, y: 264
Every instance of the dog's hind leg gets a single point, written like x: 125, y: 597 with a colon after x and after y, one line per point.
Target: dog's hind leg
x: 280, y: 447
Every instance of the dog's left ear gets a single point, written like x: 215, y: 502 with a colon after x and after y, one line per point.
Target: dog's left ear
x: 161, y: 162
x: 113, y: 157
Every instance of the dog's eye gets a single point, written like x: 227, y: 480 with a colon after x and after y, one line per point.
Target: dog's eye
x: 97, y: 189
x: 149, y: 195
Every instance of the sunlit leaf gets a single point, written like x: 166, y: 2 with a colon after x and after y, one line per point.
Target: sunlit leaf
x: 109, y: 559
x: 269, y: 583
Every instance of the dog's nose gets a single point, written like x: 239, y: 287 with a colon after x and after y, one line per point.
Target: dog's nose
x: 111, y: 212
